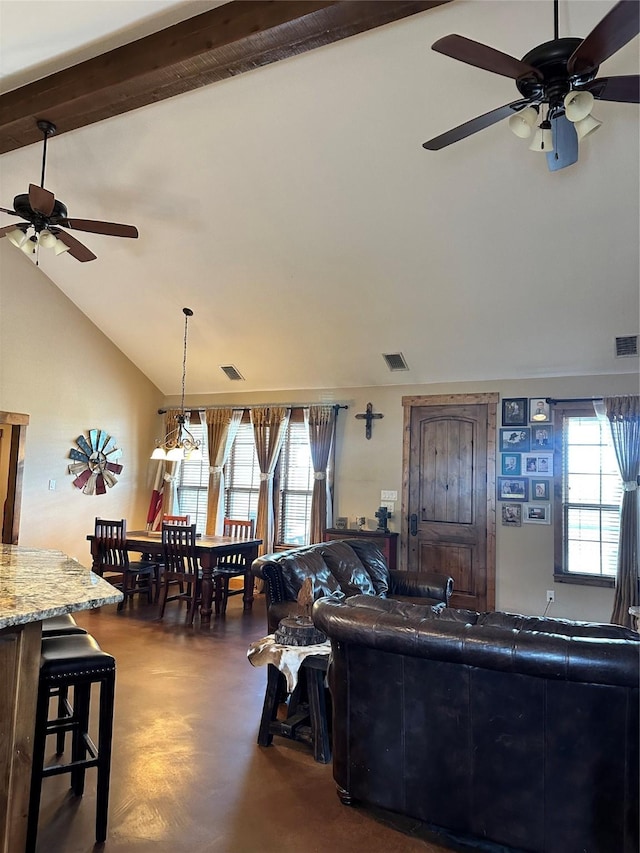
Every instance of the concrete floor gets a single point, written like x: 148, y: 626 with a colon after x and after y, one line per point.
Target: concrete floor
x: 187, y: 775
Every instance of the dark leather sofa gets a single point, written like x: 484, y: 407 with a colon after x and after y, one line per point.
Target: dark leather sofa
x: 342, y: 567
x: 492, y: 728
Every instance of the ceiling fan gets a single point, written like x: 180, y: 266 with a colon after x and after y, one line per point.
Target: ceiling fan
x: 557, y: 78
x: 46, y: 216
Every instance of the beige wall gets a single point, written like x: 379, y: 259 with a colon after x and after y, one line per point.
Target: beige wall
x: 363, y: 468
x: 58, y: 368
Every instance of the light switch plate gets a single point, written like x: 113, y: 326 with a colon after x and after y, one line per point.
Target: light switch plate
x: 390, y: 505
x: 388, y: 495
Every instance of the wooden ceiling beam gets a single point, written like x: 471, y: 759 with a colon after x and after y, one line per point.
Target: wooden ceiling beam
x: 226, y: 41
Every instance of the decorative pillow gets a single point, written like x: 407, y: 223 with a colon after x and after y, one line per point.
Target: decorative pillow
x: 346, y: 567
x: 307, y: 564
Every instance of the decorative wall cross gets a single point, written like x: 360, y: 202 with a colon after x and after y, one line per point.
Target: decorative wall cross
x: 368, y: 416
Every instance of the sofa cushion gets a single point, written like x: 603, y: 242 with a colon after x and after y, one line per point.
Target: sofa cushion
x: 374, y: 562
x: 307, y: 564
x: 346, y: 567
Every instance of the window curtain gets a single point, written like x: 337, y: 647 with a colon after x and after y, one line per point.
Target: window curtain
x: 172, y: 470
x: 320, y: 422
x: 222, y: 428
x: 269, y: 428
x: 624, y: 417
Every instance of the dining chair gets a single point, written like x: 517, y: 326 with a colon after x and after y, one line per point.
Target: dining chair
x: 176, y: 519
x: 233, y: 566
x: 181, y: 565
x: 113, y: 563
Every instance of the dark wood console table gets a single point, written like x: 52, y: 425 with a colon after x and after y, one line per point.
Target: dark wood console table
x: 387, y: 542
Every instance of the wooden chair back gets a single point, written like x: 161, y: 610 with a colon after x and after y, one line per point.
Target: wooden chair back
x: 111, y: 537
x: 239, y: 529
x: 179, y: 550
x: 176, y: 519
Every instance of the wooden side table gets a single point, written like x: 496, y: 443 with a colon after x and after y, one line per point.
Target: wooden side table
x: 387, y: 542
x: 306, y: 718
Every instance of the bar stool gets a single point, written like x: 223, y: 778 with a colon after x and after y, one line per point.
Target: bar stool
x: 73, y: 661
x: 57, y: 626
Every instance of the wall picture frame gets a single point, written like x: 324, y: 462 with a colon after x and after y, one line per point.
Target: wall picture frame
x: 515, y: 411
x: 540, y: 490
x: 541, y: 437
x: 516, y: 440
x: 511, y: 465
x: 341, y: 522
x: 539, y: 411
x: 512, y: 515
x: 537, y: 463
x: 513, y: 489
x: 537, y: 513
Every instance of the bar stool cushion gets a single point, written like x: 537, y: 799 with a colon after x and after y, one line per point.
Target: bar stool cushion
x: 56, y: 625
x: 73, y: 656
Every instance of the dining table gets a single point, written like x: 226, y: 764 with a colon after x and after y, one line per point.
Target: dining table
x: 209, y: 550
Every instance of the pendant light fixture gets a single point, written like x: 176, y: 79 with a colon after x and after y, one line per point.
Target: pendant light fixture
x: 179, y: 443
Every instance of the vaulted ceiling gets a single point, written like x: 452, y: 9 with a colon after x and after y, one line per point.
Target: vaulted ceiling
x: 282, y: 192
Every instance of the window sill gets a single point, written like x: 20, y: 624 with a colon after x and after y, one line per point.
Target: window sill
x: 584, y: 580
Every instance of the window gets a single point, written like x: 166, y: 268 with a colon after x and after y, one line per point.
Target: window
x: 295, y: 487
x: 293, y: 483
x: 588, y: 498
x: 193, y: 485
x: 242, y: 477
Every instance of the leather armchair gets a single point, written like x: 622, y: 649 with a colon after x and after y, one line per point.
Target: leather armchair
x: 491, y: 728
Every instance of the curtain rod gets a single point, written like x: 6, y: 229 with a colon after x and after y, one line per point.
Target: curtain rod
x: 552, y: 401
x: 336, y: 406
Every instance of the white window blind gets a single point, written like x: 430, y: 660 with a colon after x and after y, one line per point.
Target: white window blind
x: 242, y: 477
x: 193, y: 483
x: 592, y: 495
x: 296, y: 485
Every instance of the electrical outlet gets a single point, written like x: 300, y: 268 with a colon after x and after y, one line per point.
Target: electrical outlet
x: 388, y: 495
x: 551, y: 596
x: 52, y: 485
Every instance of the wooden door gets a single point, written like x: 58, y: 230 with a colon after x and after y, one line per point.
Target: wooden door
x: 449, y: 493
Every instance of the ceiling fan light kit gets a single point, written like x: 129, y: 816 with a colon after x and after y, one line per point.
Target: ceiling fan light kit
x: 46, y: 218
x: 559, y: 76
x: 522, y: 123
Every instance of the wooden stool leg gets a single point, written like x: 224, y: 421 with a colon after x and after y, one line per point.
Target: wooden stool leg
x: 39, y: 744
x: 107, y: 690
x: 63, y: 694
x: 270, y: 707
x: 81, y: 700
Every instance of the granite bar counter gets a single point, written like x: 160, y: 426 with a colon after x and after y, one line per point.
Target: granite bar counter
x: 35, y: 584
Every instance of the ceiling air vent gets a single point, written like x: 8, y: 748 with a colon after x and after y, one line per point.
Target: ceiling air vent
x: 395, y: 361
x: 626, y: 346
x: 230, y: 371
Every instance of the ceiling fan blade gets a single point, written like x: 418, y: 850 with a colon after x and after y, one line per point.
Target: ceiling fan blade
x: 41, y: 200
x: 111, y: 229
x: 473, y: 126
x: 565, y: 144
x: 76, y: 249
x: 617, y: 28
x: 10, y: 212
x: 625, y: 89
x: 5, y: 230
x: 483, y: 56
